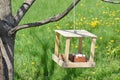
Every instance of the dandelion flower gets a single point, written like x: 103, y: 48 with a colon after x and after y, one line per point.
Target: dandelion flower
x: 93, y: 24
x: 117, y: 19
x: 32, y: 62
x: 100, y: 38
x: 24, y: 64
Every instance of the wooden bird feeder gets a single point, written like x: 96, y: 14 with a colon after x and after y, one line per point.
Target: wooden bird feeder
x: 64, y: 59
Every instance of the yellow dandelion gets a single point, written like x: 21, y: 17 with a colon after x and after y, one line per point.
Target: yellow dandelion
x: 111, y: 41
x: 104, y: 12
x: 32, y: 62
x: 100, y: 38
x: 58, y: 27
x: 24, y: 64
x: 108, y: 52
x: 81, y: 19
x: 117, y: 47
x: 20, y: 50
x: 81, y: 4
x: 107, y: 23
x: 76, y: 23
x: 84, y: 18
x: 23, y: 35
x: 96, y: 46
x: 113, y: 14
x: 116, y: 30
x: 117, y: 19
x: 67, y: 24
x: 80, y: 23
x: 97, y: 4
x: 107, y: 47
x: 93, y: 24
x: 76, y: 46
x: 93, y: 72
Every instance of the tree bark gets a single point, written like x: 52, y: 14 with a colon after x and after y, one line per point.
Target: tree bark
x: 7, y: 51
x: 112, y: 2
x: 8, y: 28
x: 6, y: 41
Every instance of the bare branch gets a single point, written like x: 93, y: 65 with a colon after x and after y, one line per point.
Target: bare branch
x: 51, y: 19
x: 22, y: 10
x: 113, y: 2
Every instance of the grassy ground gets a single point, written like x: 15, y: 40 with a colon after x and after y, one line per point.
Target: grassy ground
x: 34, y: 47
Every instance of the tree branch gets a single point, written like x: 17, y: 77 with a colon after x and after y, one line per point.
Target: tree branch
x: 51, y: 19
x: 22, y: 10
x: 113, y: 2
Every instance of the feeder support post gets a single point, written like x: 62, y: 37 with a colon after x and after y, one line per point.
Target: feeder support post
x: 92, y: 49
x: 80, y: 45
x: 67, y: 46
x: 57, y: 44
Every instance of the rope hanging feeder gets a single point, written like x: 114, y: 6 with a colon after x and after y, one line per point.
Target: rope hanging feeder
x: 78, y: 60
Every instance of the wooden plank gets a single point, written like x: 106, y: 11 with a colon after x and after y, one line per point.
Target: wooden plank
x: 67, y: 46
x: 80, y: 64
x: 57, y: 44
x: 72, y: 64
x: 59, y: 61
x: 78, y: 33
x: 80, y: 45
x: 92, y: 50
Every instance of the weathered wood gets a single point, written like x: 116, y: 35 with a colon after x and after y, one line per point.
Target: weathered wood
x: 67, y: 46
x: 57, y: 44
x: 66, y: 63
x: 92, y: 50
x: 79, y: 33
x: 70, y: 64
x: 80, y: 46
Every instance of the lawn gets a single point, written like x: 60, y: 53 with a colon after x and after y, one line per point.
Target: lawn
x: 34, y: 47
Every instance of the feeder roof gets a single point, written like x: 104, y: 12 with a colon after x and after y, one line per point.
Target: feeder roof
x: 75, y: 33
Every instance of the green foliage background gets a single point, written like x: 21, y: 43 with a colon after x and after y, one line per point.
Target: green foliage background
x: 35, y: 46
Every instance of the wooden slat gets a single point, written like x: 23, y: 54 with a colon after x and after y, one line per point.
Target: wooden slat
x: 70, y: 64
x: 78, y: 33
x: 80, y: 45
x: 67, y: 46
x: 92, y: 50
x: 57, y: 44
x: 59, y: 61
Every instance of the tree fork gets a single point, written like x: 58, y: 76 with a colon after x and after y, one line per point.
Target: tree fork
x: 8, y: 28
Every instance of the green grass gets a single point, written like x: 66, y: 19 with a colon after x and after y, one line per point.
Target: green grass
x: 35, y: 46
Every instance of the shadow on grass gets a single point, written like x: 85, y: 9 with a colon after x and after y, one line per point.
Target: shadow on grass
x: 71, y: 74
x: 45, y: 45
x: 18, y: 76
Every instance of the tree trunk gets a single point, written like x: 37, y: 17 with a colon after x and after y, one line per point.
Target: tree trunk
x: 8, y: 28
x: 6, y: 41
x: 7, y: 50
